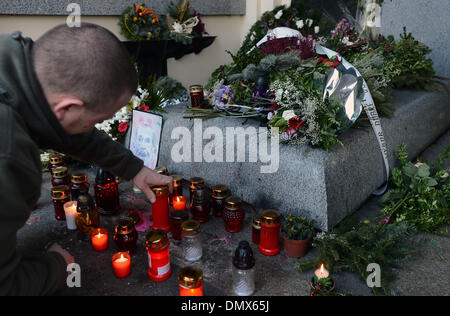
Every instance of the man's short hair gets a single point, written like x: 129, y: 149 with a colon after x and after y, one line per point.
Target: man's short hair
x: 87, y: 62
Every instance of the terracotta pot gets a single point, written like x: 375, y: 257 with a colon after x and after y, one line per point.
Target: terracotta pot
x: 296, y: 248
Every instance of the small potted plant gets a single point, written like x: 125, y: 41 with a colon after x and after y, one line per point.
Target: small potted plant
x: 297, y: 234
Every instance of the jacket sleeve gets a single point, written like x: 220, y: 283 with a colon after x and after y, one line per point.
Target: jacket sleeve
x: 25, y: 273
x: 97, y: 147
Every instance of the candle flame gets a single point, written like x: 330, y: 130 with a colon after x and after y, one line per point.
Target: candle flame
x: 121, y: 257
x: 321, y: 268
x: 100, y: 235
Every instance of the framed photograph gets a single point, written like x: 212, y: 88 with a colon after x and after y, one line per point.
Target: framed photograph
x: 145, y: 139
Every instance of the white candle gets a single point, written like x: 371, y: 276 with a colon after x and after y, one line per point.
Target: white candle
x: 70, y: 208
x: 321, y: 273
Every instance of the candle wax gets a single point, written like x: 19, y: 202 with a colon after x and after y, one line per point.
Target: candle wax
x: 179, y: 203
x: 121, y: 265
x: 191, y: 292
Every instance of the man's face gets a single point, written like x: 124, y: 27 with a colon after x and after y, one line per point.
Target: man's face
x: 82, y: 120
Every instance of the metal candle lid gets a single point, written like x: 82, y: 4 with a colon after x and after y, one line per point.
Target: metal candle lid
x: 233, y: 203
x: 60, y: 192
x: 190, y: 278
x: 79, y: 177
x: 56, y: 160
x: 191, y: 228
x: 179, y: 216
x: 59, y: 172
x: 195, y: 89
x: 124, y: 226
x: 270, y: 217
x: 156, y: 240
x: 160, y: 189
x: 177, y: 180
x: 104, y: 177
x: 196, y: 181
x: 257, y: 222
x: 220, y: 192
x: 162, y: 170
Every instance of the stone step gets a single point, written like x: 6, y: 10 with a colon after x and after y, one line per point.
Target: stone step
x: 324, y: 186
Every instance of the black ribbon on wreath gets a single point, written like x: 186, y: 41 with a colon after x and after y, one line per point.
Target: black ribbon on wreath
x: 152, y: 55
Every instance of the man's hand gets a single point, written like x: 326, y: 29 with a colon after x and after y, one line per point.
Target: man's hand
x: 66, y: 255
x: 147, y: 178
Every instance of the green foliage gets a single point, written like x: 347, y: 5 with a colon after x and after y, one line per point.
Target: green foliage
x: 419, y: 194
x: 297, y: 227
x: 160, y: 90
x: 353, y: 246
x: 172, y: 89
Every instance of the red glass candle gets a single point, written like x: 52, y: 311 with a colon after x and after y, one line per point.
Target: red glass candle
x: 176, y: 219
x: 197, y: 97
x: 78, y: 185
x: 256, y: 230
x: 99, y: 239
x: 177, y: 185
x: 125, y: 235
x: 270, y: 233
x: 233, y: 214
x: 190, y: 281
x: 60, y: 196
x: 121, y: 262
x: 157, y: 245
x: 179, y: 203
x: 60, y: 176
x: 194, y: 183
x: 218, y: 197
x: 106, y: 193
x: 200, y: 208
x: 160, y: 208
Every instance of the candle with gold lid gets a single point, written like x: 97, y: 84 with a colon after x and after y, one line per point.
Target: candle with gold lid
x: 78, y: 184
x: 157, y: 245
x: 191, y: 244
x: 177, y: 187
x: 194, y: 183
x: 56, y: 160
x: 218, y: 197
x: 270, y: 233
x: 197, y: 96
x: 162, y: 170
x: 87, y: 216
x: 256, y: 229
x: 125, y: 234
x: 60, y: 176
x: 233, y: 214
x: 60, y: 196
x: 190, y: 281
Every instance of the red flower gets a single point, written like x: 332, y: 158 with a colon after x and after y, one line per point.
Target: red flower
x: 321, y: 60
x: 123, y: 127
x: 144, y: 108
x: 296, y: 123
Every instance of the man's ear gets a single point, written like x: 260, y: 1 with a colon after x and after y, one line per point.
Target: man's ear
x: 64, y: 105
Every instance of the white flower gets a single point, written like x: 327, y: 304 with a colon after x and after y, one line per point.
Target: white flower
x: 445, y: 175
x: 287, y: 115
x: 279, y: 14
x: 346, y: 41
x: 269, y: 116
x: 300, y: 24
x: 316, y: 29
x: 177, y: 27
x: 309, y: 22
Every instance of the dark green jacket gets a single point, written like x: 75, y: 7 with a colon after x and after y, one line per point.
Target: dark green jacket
x: 27, y: 124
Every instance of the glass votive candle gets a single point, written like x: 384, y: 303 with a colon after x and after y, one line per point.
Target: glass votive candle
x: 125, y: 235
x: 106, y: 193
x: 218, y: 197
x: 233, y: 214
x: 176, y: 219
x: 70, y: 209
x: 177, y: 185
x: 200, y: 208
x: 157, y: 245
x: 121, y: 263
x: 60, y: 196
x: 190, y: 281
x: 87, y: 216
x: 99, y: 239
x: 55, y: 161
x: 179, y: 203
x: 256, y: 229
x: 191, y: 243
x: 160, y: 209
x: 243, y: 279
x: 60, y: 176
x: 197, y: 96
x: 78, y: 184
x: 194, y: 183
x: 269, y: 244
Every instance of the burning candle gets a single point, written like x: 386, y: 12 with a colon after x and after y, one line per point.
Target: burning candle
x: 321, y: 273
x: 190, y: 281
x: 70, y: 209
x: 121, y: 262
x: 99, y: 238
x: 179, y: 203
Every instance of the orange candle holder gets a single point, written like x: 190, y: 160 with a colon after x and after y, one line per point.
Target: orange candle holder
x: 157, y: 245
x: 121, y: 262
x: 99, y: 239
x: 179, y: 203
x: 190, y: 281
